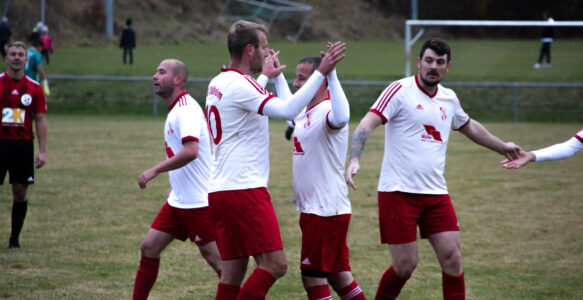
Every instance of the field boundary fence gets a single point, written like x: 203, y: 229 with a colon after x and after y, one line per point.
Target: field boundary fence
x: 516, y: 95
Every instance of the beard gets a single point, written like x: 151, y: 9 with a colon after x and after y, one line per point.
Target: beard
x: 257, y: 63
x: 430, y: 83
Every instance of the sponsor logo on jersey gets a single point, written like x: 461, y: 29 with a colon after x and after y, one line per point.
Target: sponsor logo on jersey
x: 298, y: 147
x: 432, y: 135
x: 13, y: 115
x: 306, y: 261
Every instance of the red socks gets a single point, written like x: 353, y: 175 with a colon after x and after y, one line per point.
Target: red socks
x: 453, y: 287
x: 257, y: 285
x: 351, y: 292
x: 390, y: 285
x: 227, y: 292
x: 319, y: 292
x: 146, y: 277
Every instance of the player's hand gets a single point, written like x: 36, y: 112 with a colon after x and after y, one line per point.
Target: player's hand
x: 523, y: 159
x: 351, y: 171
x: 271, y: 66
x: 145, y: 177
x: 332, y: 57
x: 288, y: 132
x: 40, y: 160
x: 511, y: 151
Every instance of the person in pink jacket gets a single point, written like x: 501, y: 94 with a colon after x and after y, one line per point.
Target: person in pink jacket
x: 47, y: 44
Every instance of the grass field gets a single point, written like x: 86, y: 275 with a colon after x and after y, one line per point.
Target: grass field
x: 473, y: 60
x: 521, y: 229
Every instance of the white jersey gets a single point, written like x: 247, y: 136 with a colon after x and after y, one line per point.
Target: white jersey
x: 186, y: 121
x: 318, y: 163
x: 416, y: 134
x: 239, y: 131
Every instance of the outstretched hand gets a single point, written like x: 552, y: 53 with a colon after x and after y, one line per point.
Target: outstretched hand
x: 332, y: 57
x: 523, y: 159
x: 271, y: 66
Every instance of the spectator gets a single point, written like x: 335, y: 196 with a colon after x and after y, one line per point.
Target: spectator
x: 47, y: 43
x: 546, y: 41
x: 128, y: 42
x: 5, y: 34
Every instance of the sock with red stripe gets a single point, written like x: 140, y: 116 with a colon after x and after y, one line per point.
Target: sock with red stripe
x: 453, y: 286
x: 390, y: 285
x: 257, y: 285
x: 351, y: 292
x: 319, y: 292
x: 146, y: 277
x: 227, y: 292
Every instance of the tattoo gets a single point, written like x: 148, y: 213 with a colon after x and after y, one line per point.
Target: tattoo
x: 359, y: 140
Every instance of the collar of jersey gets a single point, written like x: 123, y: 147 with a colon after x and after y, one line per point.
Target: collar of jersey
x: 176, y: 100
x: 422, y: 89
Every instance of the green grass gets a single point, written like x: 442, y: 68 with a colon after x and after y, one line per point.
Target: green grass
x: 521, y: 229
x: 473, y: 60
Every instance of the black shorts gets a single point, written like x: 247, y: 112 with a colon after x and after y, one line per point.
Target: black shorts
x: 17, y: 157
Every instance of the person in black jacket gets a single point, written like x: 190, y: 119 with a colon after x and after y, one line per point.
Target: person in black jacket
x: 546, y: 40
x: 5, y: 34
x: 128, y: 41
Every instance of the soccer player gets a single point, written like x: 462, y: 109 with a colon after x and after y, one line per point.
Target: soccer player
x: 22, y: 100
x: 237, y: 108
x: 34, y: 67
x: 321, y: 194
x: 554, y: 152
x: 185, y: 213
x: 419, y: 114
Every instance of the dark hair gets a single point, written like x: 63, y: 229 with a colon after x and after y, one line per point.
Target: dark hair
x: 312, y: 60
x: 128, y: 21
x: 241, y: 34
x: 37, y: 43
x: 439, y: 46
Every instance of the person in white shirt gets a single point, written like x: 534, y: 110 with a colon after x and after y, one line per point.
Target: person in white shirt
x: 321, y: 195
x: 185, y: 213
x: 554, y: 152
x: 419, y: 114
x: 237, y: 108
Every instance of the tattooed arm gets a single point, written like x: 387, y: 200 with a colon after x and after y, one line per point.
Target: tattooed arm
x: 359, y: 138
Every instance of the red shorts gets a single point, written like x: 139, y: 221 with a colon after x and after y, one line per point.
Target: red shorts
x: 245, y: 223
x: 182, y: 223
x: 400, y: 213
x: 324, y: 243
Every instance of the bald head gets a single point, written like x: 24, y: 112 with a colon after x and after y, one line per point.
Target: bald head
x: 178, y: 68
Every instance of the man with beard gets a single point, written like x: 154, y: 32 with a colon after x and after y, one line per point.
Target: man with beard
x: 419, y: 114
x: 237, y: 107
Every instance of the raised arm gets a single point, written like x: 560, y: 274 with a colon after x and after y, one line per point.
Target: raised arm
x: 340, y: 110
x: 481, y: 136
x: 186, y: 155
x: 287, y: 110
x: 367, y: 125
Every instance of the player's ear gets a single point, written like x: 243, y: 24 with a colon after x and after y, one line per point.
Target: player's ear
x: 250, y: 49
x: 178, y: 80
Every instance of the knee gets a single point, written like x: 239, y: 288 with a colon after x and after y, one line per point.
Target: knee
x: 452, y: 262
x: 148, y: 250
x: 278, y: 270
x: 404, y: 267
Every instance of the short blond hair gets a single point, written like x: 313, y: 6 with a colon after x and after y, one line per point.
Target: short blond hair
x: 241, y: 34
x: 16, y: 44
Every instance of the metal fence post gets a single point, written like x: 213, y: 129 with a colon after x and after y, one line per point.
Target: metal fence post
x: 515, y: 100
x: 154, y: 106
